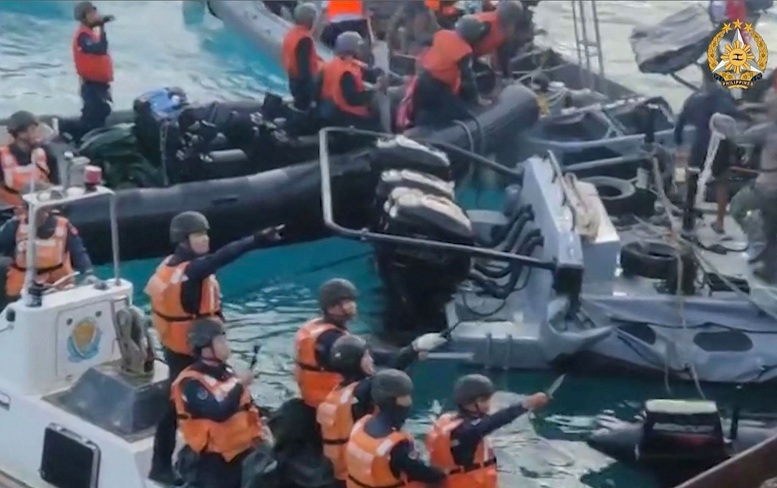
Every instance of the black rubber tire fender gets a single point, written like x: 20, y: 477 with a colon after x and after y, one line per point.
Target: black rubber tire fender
x: 616, y: 194
x: 648, y: 259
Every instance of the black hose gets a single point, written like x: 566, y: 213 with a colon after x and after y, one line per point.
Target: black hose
x: 515, y: 231
x: 503, y: 291
x: 499, y: 234
x: 498, y: 272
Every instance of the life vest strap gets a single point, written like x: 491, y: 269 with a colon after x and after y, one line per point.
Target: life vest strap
x: 473, y: 467
x: 335, y: 442
x: 365, y: 485
x: 185, y: 318
x: 310, y: 367
x: 38, y: 270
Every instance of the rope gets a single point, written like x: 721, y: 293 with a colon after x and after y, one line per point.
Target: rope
x: 676, y: 242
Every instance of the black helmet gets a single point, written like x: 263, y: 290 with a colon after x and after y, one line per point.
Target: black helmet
x: 203, y: 332
x: 469, y: 28
x: 390, y: 384
x: 335, y: 291
x: 186, y: 223
x: 348, y: 42
x: 347, y: 353
x: 509, y: 12
x: 21, y: 120
x: 305, y: 14
x: 472, y: 387
x: 81, y: 9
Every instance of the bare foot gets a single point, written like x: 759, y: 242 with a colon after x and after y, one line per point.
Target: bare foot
x: 718, y: 228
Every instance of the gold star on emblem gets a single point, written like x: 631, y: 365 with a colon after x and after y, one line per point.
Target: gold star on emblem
x: 737, y: 24
x: 726, y: 28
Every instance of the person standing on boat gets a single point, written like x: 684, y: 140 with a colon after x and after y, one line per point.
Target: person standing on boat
x: 314, y: 342
x: 345, y: 16
x: 183, y: 288
x: 345, y: 100
x: 219, y: 421
x: 446, y: 84
x: 379, y: 453
x: 351, y: 399
x: 499, y: 30
x: 762, y: 194
x: 300, y: 59
x: 697, y: 111
x: 93, y: 65
x: 458, y: 441
x: 24, y: 160
x: 60, y: 252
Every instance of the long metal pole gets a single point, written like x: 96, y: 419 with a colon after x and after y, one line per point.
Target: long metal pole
x: 599, y: 46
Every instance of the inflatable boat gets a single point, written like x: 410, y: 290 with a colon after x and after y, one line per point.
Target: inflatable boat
x: 590, y: 117
x: 678, y: 439
x: 238, y: 164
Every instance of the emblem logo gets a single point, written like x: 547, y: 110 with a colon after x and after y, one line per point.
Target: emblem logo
x: 84, y: 340
x: 742, y: 61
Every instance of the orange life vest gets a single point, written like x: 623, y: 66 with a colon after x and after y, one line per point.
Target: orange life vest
x: 313, y: 380
x: 332, y: 73
x: 441, y: 7
x: 335, y: 417
x: 495, y: 37
x: 367, y: 459
x: 441, y: 61
x: 344, y: 8
x: 289, y: 48
x: 52, y: 260
x: 92, y: 67
x: 171, y: 321
x: 481, y: 474
x: 229, y: 438
x: 17, y: 176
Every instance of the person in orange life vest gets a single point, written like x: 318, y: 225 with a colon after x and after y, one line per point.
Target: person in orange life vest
x: 59, y: 249
x: 379, y: 453
x: 184, y: 287
x: 446, y: 84
x: 496, y: 39
x: 458, y: 442
x: 24, y: 160
x: 314, y: 341
x: 93, y: 65
x: 344, y: 16
x: 345, y: 99
x: 351, y: 399
x: 300, y: 59
x: 218, y: 419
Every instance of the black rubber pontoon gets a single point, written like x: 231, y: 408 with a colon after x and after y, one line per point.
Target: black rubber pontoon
x: 290, y: 195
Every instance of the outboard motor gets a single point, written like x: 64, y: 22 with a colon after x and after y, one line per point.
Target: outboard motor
x: 420, y: 281
x: 681, y: 438
x: 403, y: 153
x: 405, y: 178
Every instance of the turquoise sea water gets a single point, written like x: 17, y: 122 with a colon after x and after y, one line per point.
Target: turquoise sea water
x: 268, y: 294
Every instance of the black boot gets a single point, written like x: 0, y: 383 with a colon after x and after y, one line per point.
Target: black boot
x: 164, y: 474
